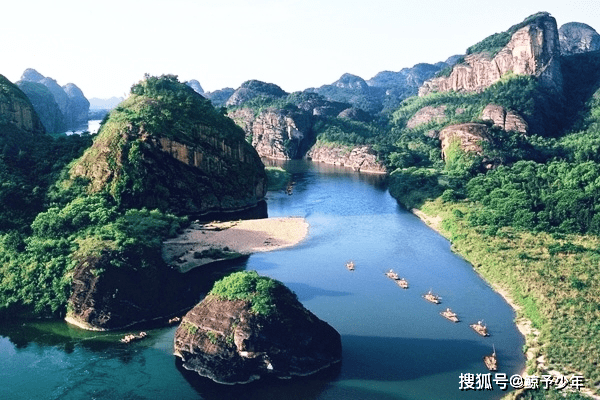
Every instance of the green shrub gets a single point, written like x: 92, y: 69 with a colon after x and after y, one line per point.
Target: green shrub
x: 262, y: 292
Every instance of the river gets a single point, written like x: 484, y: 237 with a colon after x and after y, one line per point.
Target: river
x: 395, y: 344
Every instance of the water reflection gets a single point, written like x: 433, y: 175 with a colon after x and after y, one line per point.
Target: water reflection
x: 298, y: 388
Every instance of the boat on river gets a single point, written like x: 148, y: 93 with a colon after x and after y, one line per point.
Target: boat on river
x: 403, y: 283
x: 432, y: 297
x: 491, y: 361
x: 392, y: 275
x: 131, y: 337
x: 350, y: 265
x: 450, y: 315
x: 480, y: 328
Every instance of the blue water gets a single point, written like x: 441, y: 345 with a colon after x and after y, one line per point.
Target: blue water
x: 395, y: 344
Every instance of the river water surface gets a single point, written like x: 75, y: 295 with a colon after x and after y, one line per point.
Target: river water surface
x: 395, y: 344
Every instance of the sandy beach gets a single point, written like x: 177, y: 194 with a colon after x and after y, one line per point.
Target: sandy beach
x: 202, y: 244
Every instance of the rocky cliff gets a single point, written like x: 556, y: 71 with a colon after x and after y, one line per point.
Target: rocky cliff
x: 469, y: 138
x: 359, y: 158
x: 504, y: 119
x: 276, y: 133
x: 118, y: 297
x: 70, y: 100
x: 16, y: 111
x: 230, y: 340
x: 167, y: 147
x: 532, y: 50
x: 577, y: 38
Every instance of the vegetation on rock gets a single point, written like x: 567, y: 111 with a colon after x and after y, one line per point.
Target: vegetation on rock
x: 262, y: 292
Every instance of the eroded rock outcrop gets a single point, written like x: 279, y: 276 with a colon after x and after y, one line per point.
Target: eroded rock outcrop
x: 532, y: 50
x: 231, y: 341
x: 360, y: 158
x: 504, y: 119
x: 468, y: 136
x: 16, y: 110
x: 276, y: 133
x: 172, y: 158
x: 577, y: 38
x: 108, y: 297
x: 427, y: 114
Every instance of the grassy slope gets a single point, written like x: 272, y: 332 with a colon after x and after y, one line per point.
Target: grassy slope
x: 554, y: 279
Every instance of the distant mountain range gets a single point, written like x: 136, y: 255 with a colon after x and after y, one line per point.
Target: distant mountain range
x: 104, y: 104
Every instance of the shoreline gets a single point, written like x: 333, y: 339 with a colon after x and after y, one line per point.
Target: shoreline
x: 203, y: 244
x: 523, y: 324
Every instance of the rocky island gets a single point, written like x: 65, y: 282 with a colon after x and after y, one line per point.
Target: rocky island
x: 250, y: 327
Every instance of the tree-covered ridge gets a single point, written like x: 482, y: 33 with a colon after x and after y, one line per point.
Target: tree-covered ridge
x: 164, y: 106
x: 73, y: 225
x: 159, y: 148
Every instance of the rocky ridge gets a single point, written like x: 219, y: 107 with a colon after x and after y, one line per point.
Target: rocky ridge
x: 577, y: 38
x: 532, y: 50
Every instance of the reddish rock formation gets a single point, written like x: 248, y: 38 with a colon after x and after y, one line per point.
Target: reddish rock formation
x: 469, y: 135
x: 360, y: 158
x: 504, y: 119
x: 532, y: 50
x: 225, y: 341
x: 276, y: 133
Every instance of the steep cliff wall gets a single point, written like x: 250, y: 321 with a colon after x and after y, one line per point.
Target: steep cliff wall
x: 359, y: 158
x: 174, y: 152
x: 16, y: 109
x: 532, y: 50
x: 504, y: 119
x: 469, y: 136
x: 276, y: 133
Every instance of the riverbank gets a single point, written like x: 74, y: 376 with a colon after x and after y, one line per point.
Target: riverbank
x: 203, y: 244
x: 543, y: 277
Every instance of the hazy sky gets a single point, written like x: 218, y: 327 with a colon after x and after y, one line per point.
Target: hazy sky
x: 106, y: 46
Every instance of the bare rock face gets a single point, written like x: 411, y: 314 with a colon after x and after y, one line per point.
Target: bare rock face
x: 504, y: 119
x: 576, y: 38
x: 120, y: 297
x: 226, y: 341
x: 16, y: 109
x: 532, y: 50
x: 360, y: 158
x: 427, y: 114
x: 469, y: 136
x: 276, y: 133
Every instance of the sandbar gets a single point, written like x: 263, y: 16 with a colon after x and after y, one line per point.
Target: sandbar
x: 202, y: 244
